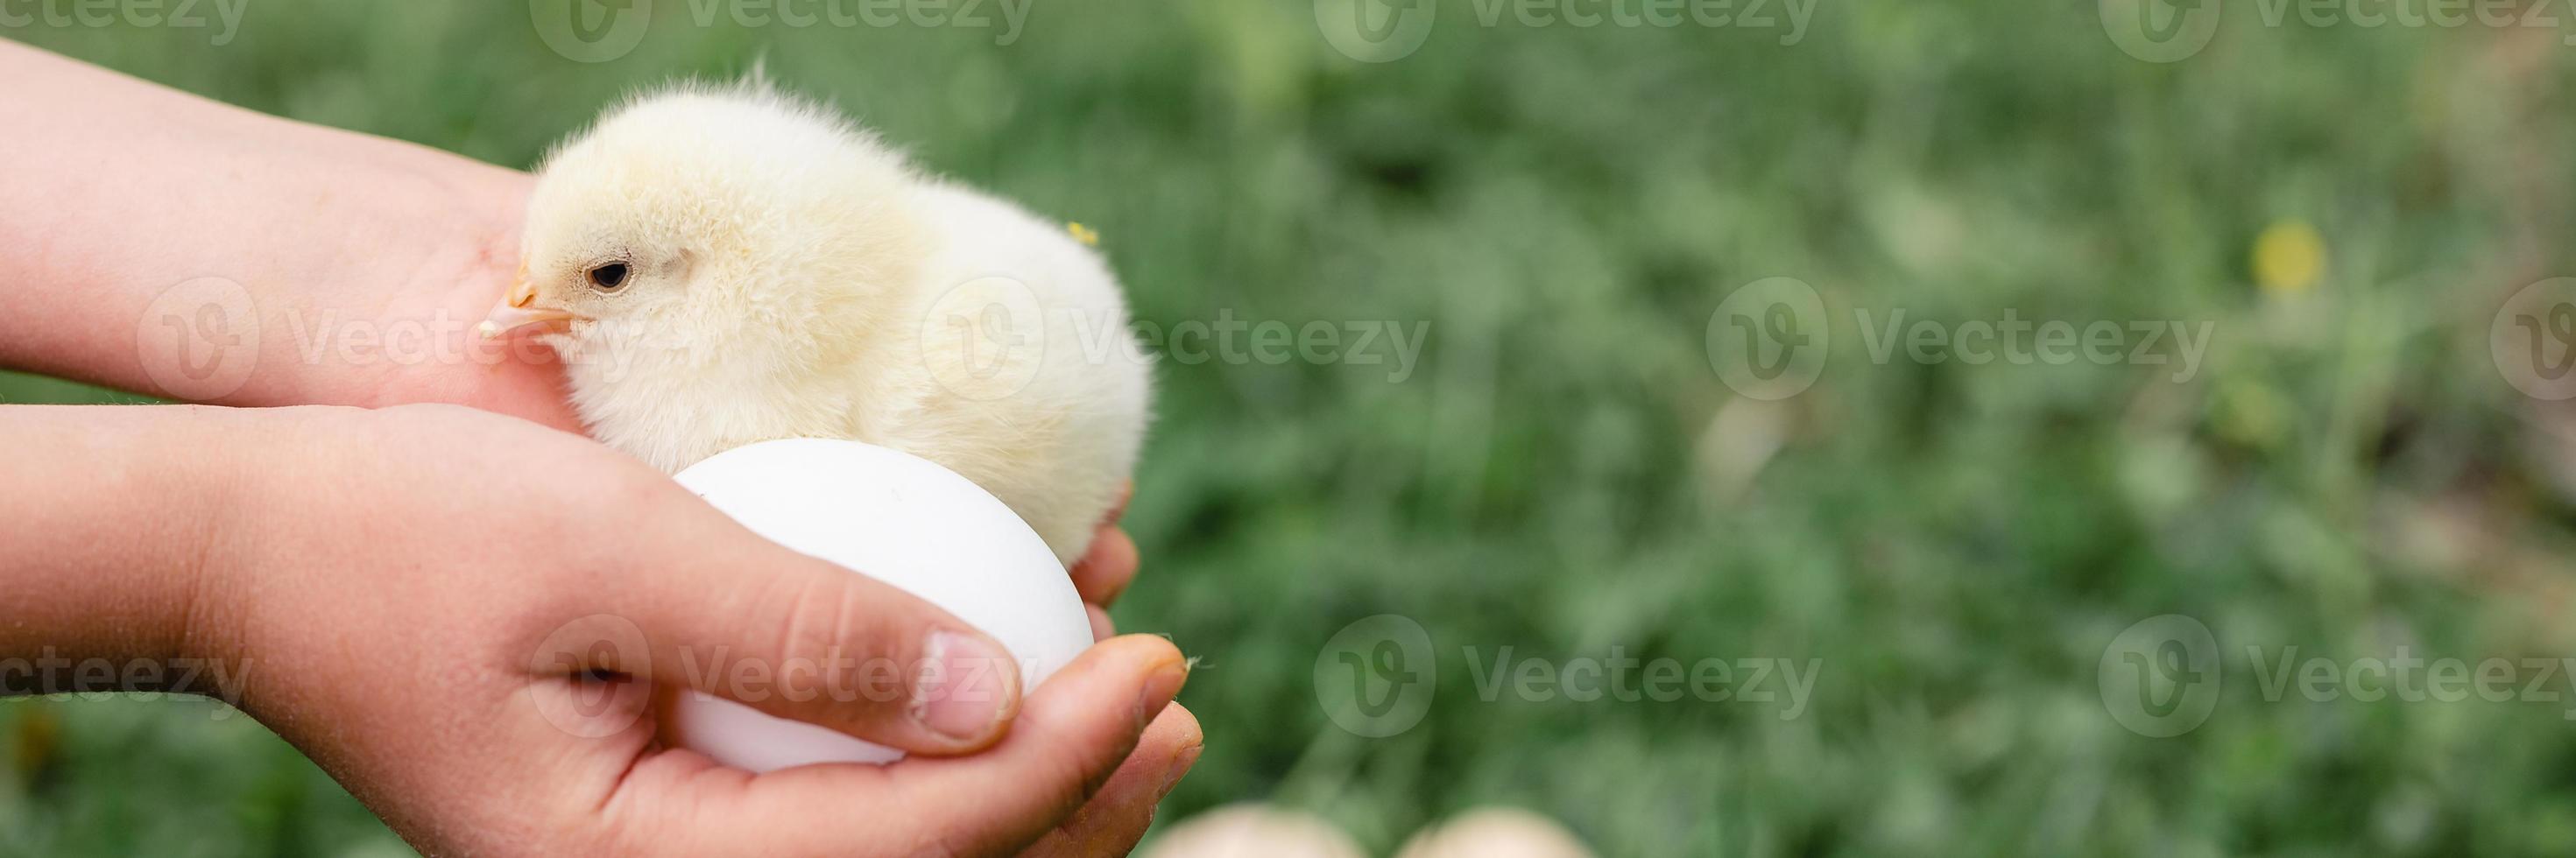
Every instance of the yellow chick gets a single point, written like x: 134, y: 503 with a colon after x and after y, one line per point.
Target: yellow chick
x: 721, y: 265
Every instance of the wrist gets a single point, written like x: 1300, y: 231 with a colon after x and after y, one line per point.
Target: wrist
x: 397, y: 325
x: 292, y: 264
x: 114, y: 548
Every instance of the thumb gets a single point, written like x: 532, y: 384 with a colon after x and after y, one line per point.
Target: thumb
x: 722, y: 611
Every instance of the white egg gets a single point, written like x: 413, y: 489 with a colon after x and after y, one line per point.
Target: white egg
x: 899, y: 519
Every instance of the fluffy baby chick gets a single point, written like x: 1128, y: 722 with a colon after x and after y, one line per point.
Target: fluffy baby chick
x: 720, y: 266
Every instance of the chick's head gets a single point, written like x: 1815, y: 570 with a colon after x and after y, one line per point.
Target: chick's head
x: 704, y: 217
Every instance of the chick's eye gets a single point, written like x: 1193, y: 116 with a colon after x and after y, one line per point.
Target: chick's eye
x: 608, y: 277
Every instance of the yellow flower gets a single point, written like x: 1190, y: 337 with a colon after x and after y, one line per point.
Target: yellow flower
x: 1083, y: 234
x: 2288, y: 257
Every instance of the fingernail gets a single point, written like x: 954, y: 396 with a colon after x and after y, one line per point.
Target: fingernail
x: 1160, y: 687
x: 964, y: 691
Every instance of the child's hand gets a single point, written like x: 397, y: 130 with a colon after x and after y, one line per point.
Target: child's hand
x: 461, y: 616
x: 414, y: 586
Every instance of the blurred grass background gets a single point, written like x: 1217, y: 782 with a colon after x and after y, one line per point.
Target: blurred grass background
x: 1564, y: 472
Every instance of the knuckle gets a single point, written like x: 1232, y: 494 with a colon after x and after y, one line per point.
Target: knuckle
x: 829, y: 621
x: 1067, y: 784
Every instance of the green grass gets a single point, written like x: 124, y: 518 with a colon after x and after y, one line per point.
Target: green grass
x: 1564, y: 472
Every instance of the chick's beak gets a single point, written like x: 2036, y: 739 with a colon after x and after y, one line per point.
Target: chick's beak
x: 518, y: 310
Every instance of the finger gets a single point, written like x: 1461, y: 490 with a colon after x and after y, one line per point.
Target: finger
x: 1118, y: 509
x: 1069, y: 739
x: 1072, y: 734
x: 723, y: 612
x: 1102, y: 628
x: 1106, y: 568
x: 1117, y: 815
x: 529, y: 391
